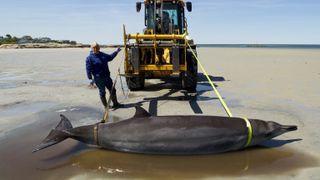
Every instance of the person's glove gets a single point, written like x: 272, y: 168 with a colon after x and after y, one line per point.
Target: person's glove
x: 118, y: 50
x: 92, y: 82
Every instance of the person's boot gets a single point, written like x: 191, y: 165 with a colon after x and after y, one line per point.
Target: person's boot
x: 104, y: 101
x: 115, y: 102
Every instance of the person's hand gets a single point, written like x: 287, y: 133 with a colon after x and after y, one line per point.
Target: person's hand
x: 92, y: 84
x: 118, y: 50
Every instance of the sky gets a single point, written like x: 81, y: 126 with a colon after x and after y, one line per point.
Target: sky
x: 211, y: 21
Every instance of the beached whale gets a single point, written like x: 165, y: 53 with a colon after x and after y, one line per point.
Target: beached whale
x: 148, y: 134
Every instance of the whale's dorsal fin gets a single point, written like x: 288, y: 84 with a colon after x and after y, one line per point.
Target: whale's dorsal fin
x: 64, y: 123
x: 140, y: 112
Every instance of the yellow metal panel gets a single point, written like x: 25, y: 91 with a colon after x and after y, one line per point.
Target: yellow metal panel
x: 168, y: 67
x: 156, y: 36
x: 166, y: 55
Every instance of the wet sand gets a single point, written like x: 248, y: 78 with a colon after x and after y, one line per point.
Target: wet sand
x: 270, y: 84
x: 72, y: 159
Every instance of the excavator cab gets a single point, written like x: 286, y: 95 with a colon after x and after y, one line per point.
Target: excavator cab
x: 166, y: 18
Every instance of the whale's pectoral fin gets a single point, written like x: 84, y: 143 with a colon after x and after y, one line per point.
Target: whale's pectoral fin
x: 140, y: 112
x: 56, y: 135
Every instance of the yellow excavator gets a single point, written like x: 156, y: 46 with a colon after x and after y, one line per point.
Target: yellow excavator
x: 162, y: 49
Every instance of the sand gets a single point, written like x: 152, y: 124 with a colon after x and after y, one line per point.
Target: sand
x: 281, y: 85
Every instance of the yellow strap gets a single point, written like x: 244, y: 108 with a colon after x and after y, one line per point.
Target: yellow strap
x: 249, y: 131
x: 221, y: 99
x: 211, y: 83
x: 95, y: 134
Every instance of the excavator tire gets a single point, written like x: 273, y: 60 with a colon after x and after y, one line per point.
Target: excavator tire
x: 189, y: 78
x: 135, y: 83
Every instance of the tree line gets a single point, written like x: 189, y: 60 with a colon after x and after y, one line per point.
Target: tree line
x: 8, y: 39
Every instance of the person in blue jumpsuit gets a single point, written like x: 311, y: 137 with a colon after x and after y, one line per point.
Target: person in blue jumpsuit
x: 97, y: 66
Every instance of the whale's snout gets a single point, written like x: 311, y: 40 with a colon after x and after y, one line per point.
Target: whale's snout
x: 289, y: 128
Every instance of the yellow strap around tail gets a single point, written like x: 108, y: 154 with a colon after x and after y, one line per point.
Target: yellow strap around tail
x: 249, y: 131
x: 95, y: 134
x: 211, y: 83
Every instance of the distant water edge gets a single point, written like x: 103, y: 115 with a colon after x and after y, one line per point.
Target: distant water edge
x: 290, y: 46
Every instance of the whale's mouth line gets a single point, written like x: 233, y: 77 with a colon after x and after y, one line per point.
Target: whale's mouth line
x: 289, y: 128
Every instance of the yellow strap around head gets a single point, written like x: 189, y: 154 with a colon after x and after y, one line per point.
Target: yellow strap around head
x: 249, y: 131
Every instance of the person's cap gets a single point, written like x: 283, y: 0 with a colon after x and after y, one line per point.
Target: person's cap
x: 94, y: 44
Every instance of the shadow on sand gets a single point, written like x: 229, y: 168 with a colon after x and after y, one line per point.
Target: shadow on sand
x: 174, y: 87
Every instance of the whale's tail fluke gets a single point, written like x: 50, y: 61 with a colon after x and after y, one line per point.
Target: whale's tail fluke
x: 56, y: 135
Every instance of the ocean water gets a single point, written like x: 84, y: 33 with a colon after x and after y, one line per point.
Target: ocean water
x: 286, y: 46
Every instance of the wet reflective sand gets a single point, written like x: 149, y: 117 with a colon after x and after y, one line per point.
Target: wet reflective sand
x: 74, y: 159
x: 281, y: 85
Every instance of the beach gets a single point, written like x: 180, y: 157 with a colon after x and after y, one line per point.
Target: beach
x: 272, y: 84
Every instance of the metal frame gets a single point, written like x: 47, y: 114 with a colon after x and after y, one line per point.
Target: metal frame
x: 177, y: 43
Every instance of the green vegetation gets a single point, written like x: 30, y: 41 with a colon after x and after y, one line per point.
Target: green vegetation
x: 8, y: 39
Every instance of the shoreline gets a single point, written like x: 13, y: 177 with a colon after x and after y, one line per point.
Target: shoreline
x: 261, y: 46
x: 41, y: 45
x: 80, y: 45
x: 50, y: 45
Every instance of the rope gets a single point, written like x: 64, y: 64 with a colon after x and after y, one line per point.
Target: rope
x: 121, y: 83
x: 211, y: 83
x: 248, y: 124
x: 106, y: 113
